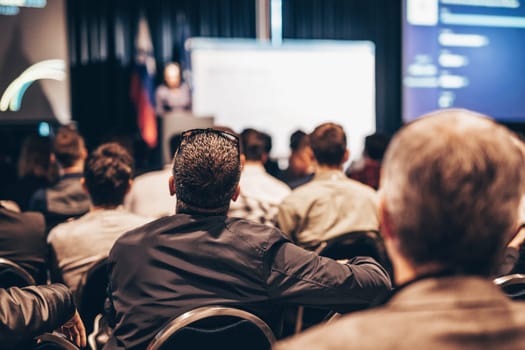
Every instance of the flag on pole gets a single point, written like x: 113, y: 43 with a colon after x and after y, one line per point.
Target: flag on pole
x: 142, y: 89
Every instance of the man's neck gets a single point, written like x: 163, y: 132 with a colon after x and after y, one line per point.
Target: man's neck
x: 183, y: 208
x: 324, y: 167
x: 254, y: 163
x: 74, y: 169
x: 404, y: 271
x: 103, y: 207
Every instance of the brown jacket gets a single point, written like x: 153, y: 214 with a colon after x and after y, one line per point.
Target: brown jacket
x: 434, y: 313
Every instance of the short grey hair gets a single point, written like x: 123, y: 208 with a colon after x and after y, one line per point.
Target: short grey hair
x: 451, y: 185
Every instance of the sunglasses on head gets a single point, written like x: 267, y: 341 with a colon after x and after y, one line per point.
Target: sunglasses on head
x: 192, y: 132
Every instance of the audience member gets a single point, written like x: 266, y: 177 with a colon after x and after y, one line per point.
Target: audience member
x: 78, y: 244
x: 148, y: 195
x: 450, y: 191
x: 330, y: 205
x: 66, y: 198
x: 514, y: 258
x: 260, y: 193
x: 368, y: 169
x: 7, y: 166
x: 301, y: 163
x: 200, y: 256
x: 270, y: 165
x: 31, y: 311
x: 35, y: 170
x: 23, y: 241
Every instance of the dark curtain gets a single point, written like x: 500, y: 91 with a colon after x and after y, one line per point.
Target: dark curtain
x: 376, y: 20
x: 101, y: 50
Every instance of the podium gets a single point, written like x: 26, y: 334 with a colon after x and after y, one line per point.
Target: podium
x: 176, y: 122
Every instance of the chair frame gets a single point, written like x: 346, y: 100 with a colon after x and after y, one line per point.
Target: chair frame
x: 200, y: 313
x: 18, y: 269
x: 510, y: 280
x: 58, y: 339
x: 82, y: 284
x: 86, y: 309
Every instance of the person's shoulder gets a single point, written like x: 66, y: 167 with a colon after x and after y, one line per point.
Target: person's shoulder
x: 139, y: 219
x: 280, y: 185
x: 353, y: 331
x: 360, y: 188
x: 303, y: 191
x: 244, y: 225
x: 66, y: 230
x: 358, y: 185
x: 32, y: 221
x: 137, y: 235
x: 259, y: 231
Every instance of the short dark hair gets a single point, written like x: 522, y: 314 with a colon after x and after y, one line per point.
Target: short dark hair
x: 253, y: 144
x: 298, y: 140
x: 206, y: 169
x: 107, y: 173
x: 174, y: 143
x: 376, y: 145
x: 328, y: 142
x: 68, y: 146
x: 452, y: 184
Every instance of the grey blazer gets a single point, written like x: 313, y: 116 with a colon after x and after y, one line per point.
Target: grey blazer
x: 434, y: 313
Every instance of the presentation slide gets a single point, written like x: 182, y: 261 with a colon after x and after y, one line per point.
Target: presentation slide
x: 34, y: 83
x: 279, y: 89
x: 465, y: 54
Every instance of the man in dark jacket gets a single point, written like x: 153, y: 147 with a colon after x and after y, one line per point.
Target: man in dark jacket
x: 200, y: 256
x: 66, y: 198
x: 28, y: 312
x: 23, y: 241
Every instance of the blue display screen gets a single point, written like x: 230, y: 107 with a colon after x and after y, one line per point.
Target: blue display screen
x: 464, y: 54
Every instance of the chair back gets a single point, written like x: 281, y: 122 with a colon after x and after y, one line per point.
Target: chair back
x: 512, y: 285
x: 348, y: 245
x: 13, y: 275
x: 352, y: 244
x: 53, y: 341
x: 356, y: 243
x: 91, y: 292
x: 215, y: 327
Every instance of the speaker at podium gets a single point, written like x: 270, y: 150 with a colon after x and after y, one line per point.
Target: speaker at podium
x: 175, y: 123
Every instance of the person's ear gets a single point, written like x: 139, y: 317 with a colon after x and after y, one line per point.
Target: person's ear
x: 243, y: 160
x: 346, y: 156
x: 171, y: 183
x: 264, y: 158
x: 84, y: 153
x: 83, y: 183
x: 52, y: 158
x: 237, y: 193
x: 310, y: 153
x: 130, y: 183
x: 385, y: 221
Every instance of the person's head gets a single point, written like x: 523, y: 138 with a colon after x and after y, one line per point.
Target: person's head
x: 300, y: 162
x: 34, y: 157
x: 298, y: 140
x: 376, y: 145
x: 328, y: 143
x: 254, y: 145
x: 450, y: 190
x: 206, y: 171
x: 68, y: 147
x: 107, y: 175
x: 172, y: 75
